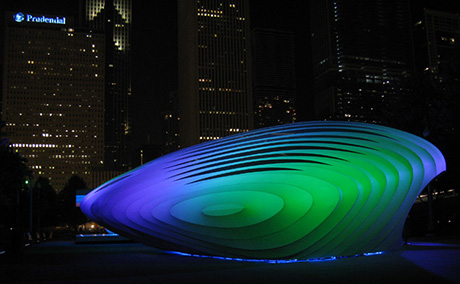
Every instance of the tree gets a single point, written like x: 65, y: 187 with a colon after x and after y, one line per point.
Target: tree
x: 45, y: 204
x: 13, y: 175
x: 70, y: 214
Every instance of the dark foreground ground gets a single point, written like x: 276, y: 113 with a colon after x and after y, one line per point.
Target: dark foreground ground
x: 430, y: 261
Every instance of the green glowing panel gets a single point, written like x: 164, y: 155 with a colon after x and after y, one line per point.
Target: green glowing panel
x: 228, y: 209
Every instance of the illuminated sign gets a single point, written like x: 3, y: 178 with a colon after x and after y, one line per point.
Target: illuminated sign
x: 20, y: 17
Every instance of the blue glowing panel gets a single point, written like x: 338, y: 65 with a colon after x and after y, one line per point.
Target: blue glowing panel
x: 296, y: 191
x: 78, y: 199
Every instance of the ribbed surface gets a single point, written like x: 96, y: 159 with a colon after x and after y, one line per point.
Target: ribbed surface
x: 300, y: 190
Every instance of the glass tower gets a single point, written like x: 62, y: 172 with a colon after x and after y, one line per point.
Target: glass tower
x: 442, y: 38
x: 215, y: 96
x: 362, y: 57
x: 53, y: 97
x: 274, y: 77
x: 114, y: 19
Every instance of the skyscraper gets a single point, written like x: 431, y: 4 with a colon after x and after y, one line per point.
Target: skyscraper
x: 442, y: 38
x: 215, y: 93
x: 171, y: 125
x: 53, y: 95
x: 274, y: 77
x: 114, y: 18
x: 362, y: 57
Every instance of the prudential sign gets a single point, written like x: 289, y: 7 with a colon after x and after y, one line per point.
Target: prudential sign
x: 20, y: 18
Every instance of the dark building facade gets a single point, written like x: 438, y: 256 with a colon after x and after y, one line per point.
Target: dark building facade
x: 274, y: 79
x: 362, y: 58
x: 171, y: 121
x: 114, y: 19
x: 53, y: 95
x: 441, y: 39
x: 215, y: 92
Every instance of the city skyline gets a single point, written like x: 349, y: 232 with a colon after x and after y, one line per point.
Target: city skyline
x: 157, y: 60
x: 155, y: 48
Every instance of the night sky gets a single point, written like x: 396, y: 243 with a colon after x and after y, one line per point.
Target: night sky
x: 154, y: 50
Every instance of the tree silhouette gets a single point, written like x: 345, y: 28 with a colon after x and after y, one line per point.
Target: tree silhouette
x: 70, y: 214
x: 13, y: 202
x: 46, y: 204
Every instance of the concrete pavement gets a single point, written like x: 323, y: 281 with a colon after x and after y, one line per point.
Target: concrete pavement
x: 67, y: 262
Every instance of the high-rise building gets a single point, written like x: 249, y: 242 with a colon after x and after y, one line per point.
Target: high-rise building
x: 441, y: 39
x: 362, y: 57
x: 274, y: 77
x: 171, y: 125
x: 114, y: 18
x: 215, y: 92
x: 53, y: 95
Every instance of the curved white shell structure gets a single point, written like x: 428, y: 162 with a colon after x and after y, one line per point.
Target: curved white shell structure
x: 303, y: 190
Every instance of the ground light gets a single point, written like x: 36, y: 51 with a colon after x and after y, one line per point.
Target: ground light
x: 273, y: 261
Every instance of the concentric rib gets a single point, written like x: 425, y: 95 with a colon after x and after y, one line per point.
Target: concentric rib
x: 304, y: 190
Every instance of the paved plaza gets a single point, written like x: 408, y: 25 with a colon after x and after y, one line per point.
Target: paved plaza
x: 67, y: 262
